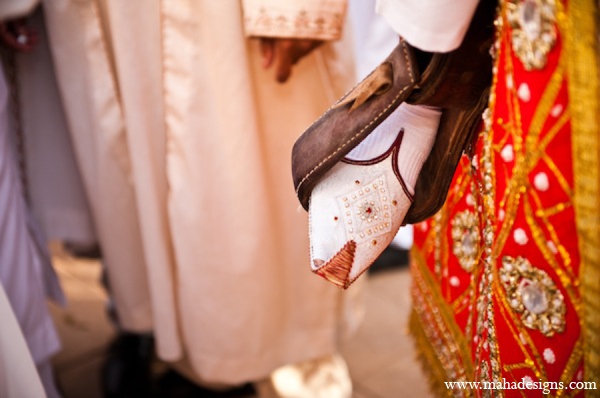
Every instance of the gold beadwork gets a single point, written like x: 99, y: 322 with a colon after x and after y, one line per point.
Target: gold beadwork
x: 532, y: 293
x: 364, y: 210
x: 466, y: 239
x: 368, y: 211
x: 533, y: 30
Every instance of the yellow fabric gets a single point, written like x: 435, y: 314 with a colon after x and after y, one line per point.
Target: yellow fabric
x: 585, y: 89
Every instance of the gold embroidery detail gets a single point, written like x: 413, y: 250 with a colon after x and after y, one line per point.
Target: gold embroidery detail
x: 526, y: 160
x: 533, y: 294
x: 533, y: 30
x: 583, y: 91
x: 484, y: 376
x: 571, y: 367
x: 563, y: 272
x: 466, y: 239
x: 486, y: 321
x: 301, y: 24
x: 552, y: 211
x: 436, y: 227
x: 533, y: 359
x: 447, y: 346
x: 431, y: 363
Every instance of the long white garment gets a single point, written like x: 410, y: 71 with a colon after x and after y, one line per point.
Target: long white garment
x: 89, y: 93
x: 176, y: 91
x: 18, y: 375
x: 21, y: 262
x: 431, y: 25
x: 240, y: 243
x: 55, y: 188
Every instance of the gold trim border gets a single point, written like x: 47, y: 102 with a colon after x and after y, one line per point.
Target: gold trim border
x: 581, y: 47
x: 425, y: 283
x: 430, y: 363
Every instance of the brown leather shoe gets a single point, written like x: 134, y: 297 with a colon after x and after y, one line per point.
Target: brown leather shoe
x: 457, y: 82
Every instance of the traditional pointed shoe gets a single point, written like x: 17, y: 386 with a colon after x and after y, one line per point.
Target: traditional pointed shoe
x: 355, y: 211
x: 352, y: 119
x: 457, y: 82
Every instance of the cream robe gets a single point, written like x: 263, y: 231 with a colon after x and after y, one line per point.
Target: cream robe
x: 174, y: 90
x: 94, y: 116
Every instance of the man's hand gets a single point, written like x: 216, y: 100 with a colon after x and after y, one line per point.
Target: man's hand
x: 284, y: 53
x: 18, y: 36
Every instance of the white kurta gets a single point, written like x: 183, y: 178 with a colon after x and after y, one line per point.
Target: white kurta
x: 431, y: 25
x: 208, y: 135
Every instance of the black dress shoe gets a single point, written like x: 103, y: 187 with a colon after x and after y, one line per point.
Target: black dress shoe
x: 173, y: 385
x: 128, y: 367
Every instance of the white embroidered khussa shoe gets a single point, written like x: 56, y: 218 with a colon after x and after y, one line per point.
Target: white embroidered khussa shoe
x: 358, y: 206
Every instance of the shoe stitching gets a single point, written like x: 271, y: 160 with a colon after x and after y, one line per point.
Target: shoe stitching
x: 412, y: 80
x: 348, y: 281
x: 319, y: 271
x: 347, y: 94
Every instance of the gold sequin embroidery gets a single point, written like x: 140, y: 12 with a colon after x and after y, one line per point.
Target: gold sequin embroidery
x: 466, y: 239
x: 533, y: 30
x: 532, y: 293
